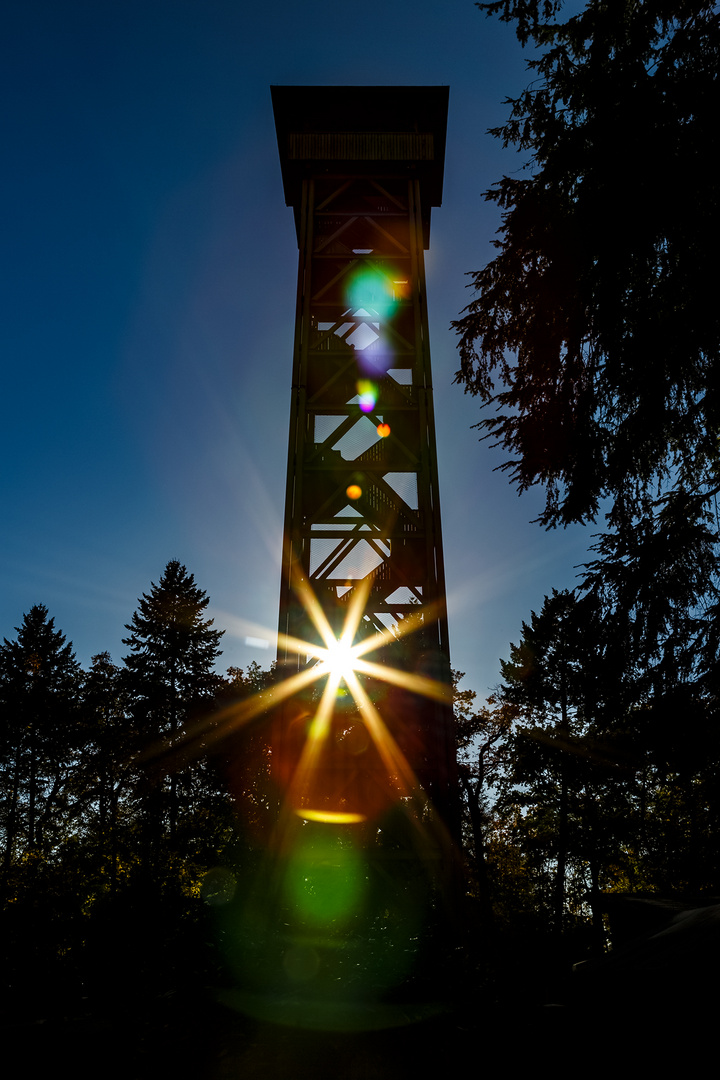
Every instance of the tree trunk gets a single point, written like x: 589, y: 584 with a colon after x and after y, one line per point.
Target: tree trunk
x: 11, y: 828
x: 562, y: 837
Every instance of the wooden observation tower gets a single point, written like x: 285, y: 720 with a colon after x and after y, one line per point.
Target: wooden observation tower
x: 361, y: 167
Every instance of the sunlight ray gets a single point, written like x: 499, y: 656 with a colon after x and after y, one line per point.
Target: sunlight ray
x: 316, y: 738
x: 395, y: 762
x: 408, y: 625
x: 356, y: 609
x: 314, y: 609
x: 319, y: 729
x: 339, y: 660
x: 399, y: 767
x: 408, y: 680
x: 298, y: 647
x: 219, y: 725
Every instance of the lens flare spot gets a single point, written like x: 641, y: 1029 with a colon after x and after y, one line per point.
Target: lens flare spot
x: 367, y: 395
x: 354, y: 491
x: 374, y: 363
x: 371, y: 290
x: 356, y: 739
x: 331, y: 817
x: 325, y: 881
x: 383, y: 430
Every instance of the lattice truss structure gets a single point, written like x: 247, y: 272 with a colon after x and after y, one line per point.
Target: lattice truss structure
x: 362, y: 487
x: 362, y: 508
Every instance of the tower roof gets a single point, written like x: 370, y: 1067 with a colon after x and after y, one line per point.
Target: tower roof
x: 376, y: 130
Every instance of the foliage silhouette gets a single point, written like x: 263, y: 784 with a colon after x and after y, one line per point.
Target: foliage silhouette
x: 597, y: 317
x: 40, y: 732
x: 169, y: 677
x: 594, y: 337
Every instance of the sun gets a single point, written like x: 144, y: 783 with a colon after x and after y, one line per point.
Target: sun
x: 339, y: 659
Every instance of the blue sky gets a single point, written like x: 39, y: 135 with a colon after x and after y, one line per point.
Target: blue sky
x: 148, y: 307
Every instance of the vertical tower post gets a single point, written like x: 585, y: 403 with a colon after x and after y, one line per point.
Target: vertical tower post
x: 361, y: 168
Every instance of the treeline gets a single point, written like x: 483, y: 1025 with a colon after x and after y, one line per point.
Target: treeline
x: 593, y: 774
x: 107, y: 829
x: 593, y: 343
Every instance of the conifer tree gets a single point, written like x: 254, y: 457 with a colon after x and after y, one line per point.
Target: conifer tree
x: 571, y: 787
x: 172, y: 651
x: 104, y: 777
x: 593, y: 333
x: 541, y: 679
x: 169, y: 674
x: 595, y: 330
x: 39, y: 710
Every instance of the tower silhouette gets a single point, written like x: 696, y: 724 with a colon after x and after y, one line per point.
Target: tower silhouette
x: 361, y: 168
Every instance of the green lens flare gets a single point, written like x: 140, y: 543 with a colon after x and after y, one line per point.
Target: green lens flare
x: 371, y: 291
x: 325, y: 882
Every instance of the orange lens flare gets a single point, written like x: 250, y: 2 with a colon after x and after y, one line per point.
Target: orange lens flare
x: 329, y: 817
x: 354, y: 491
x: 383, y: 430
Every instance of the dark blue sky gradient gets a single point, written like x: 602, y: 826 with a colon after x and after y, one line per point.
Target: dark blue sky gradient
x: 148, y: 307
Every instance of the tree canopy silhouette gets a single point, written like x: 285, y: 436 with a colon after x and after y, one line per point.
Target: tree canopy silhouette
x: 39, y: 732
x: 595, y: 330
x: 169, y: 674
x: 172, y: 650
